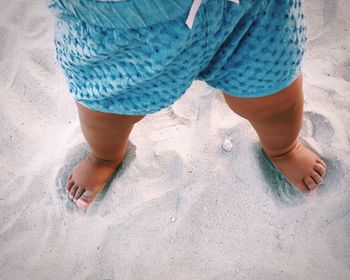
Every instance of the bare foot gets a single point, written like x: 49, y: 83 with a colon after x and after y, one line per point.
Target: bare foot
x: 301, y: 167
x: 88, y: 178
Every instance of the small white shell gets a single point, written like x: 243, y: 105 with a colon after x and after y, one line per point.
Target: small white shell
x: 227, y: 145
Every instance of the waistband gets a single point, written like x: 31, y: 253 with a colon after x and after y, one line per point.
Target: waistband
x: 122, y: 13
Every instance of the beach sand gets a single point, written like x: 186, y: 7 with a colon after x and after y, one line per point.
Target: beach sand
x: 181, y: 206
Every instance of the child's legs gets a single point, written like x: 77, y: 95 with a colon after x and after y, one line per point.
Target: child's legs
x: 257, y: 63
x: 106, y: 133
x: 277, y: 119
x: 113, y: 70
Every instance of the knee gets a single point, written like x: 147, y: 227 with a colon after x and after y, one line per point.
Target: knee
x: 94, y: 116
x: 260, y: 110
x: 268, y: 107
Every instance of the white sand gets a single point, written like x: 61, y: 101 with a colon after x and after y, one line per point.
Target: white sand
x: 181, y: 207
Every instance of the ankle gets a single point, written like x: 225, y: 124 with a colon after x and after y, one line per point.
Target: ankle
x: 278, y: 152
x: 104, y: 161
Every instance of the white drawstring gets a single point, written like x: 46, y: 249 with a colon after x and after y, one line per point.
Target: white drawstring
x: 194, y: 9
x: 193, y: 12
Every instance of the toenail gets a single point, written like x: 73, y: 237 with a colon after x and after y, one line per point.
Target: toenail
x: 82, y: 204
x: 312, y: 192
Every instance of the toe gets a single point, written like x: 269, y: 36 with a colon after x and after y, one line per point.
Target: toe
x: 70, y: 176
x: 312, y: 192
x: 85, y: 200
x: 310, y: 183
x: 320, y: 161
x: 78, y: 193
x: 82, y: 204
x: 320, y: 169
x: 303, y: 187
x: 317, y: 178
x: 69, y: 186
x: 72, y: 191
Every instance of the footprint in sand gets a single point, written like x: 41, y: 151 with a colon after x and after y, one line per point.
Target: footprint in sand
x: 175, y: 116
x: 335, y: 249
x: 33, y: 24
x: 37, y: 27
x: 339, y: 244
x: 42, y: 60
x: 9, y: 59
x: 167, y: 166
x: 318, y: 127
x: 169, y: 124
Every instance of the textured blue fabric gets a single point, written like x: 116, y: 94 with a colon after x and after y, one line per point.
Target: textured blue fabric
x: 121, y: 13
x: 247, y: 50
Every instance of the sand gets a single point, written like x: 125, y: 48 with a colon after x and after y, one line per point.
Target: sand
x: 195, y: 198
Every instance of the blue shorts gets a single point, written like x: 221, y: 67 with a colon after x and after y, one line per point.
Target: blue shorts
x: 129, y: 57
